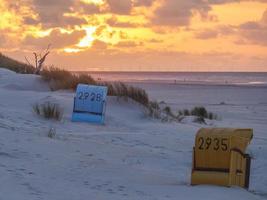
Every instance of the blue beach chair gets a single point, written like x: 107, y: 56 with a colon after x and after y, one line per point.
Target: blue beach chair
x: 90, y: 104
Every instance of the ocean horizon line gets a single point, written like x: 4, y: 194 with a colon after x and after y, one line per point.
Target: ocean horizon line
x: 104, y: 71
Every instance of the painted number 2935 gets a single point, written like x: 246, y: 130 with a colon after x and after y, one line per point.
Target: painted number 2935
x: 214, y: 143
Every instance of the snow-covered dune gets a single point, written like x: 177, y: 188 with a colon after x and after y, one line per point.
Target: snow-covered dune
x: 130, y: 157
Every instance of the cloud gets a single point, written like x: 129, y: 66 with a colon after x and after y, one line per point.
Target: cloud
x: 100, y: 29
x: 123, y: 35
x: 8, y: 40
x: 127, y: 44
x: 254, y: 32
x: 251, y: 32
x: 51, y: 11
x: 114, y: 22
x: 56, y: 39
x: 122, y: 7
x: 3, y: 40
x: 89, y: 8
x: 146, y: 3
x: 178, y: 12
x: 98, y: 44
x: 214, y: 33
x: 207, y: 34
x: 250, y: 26
x: 103, y: 31
x: 154, y: 40
x: 30, y: 21
x: 158, y: 60
x: 264, y: 18
x: 231, y: 1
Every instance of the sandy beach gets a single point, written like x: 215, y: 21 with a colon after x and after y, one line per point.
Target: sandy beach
x: 133, y: 99
x: 131, y: 156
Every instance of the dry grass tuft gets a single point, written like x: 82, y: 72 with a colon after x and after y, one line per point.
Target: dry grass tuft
x: 48, y: 110
x: 13, y: 65
x: 63, y: 79
x: 125, y: 91
x: 154, y: 110
x: 52, y: 133
x: 200, y: 114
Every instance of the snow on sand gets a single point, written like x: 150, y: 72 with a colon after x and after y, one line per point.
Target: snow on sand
x: 130, y: 157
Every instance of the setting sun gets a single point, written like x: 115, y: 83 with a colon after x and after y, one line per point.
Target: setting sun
x: 88, y: 39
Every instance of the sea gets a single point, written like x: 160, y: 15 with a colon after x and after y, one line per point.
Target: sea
x: 199, y: 78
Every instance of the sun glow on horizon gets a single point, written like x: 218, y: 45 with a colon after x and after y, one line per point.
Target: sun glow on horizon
x: 71, y: 50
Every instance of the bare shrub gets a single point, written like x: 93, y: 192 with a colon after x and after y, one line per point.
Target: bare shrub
x: 39, y: 59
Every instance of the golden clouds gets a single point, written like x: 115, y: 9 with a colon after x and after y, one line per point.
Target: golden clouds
x: 161, y: 28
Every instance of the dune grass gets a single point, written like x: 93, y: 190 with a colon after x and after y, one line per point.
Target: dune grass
x: 200, y: 112
x: 16, y: 66
x: 63, y: 79
x: 125, y: 91
x: 48, y: 110
x: 157, y: 111
x: 154, y: 110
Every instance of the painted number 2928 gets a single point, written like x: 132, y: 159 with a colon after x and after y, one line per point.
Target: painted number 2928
x: 92, y: 96
x: 214, y: 143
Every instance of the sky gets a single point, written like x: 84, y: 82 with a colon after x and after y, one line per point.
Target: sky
x: 138, y: 35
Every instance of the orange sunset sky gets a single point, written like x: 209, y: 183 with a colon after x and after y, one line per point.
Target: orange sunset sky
x: 138, y: 35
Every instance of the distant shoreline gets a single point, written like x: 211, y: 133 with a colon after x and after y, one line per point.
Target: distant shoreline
x: 253, y: 79
x: 166, y: 72
x: 197, y: 84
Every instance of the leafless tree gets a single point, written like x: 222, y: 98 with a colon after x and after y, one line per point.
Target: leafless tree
x: 39, y: 60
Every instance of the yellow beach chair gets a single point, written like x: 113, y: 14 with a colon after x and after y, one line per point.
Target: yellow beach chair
x: 219, y: 157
